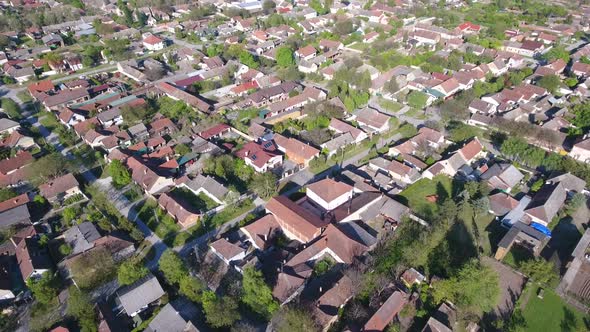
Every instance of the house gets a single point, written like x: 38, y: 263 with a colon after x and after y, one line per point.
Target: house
x: 14, y: 211
x: 402, y: 172
x: 464, y: 156
x: 18, y: 141
x: 146, y: 178
x: 32, y: 257
x: 81, y: 237
x: 178, y: 94
x: 546, y: 203
x: 580, y: 69
x: 262, y: 232
x: 502, y: 176
x: 342, y: 246
x: 261, y: 156
x: 329, y: 303
x: 153, y: 43
x: 298, y: 152
x: 342, y: 127
x: 386, y: 313
x: 52, y: 40
x: 329, y: 194
x: 574, y: 284
x: 337, y: 144
x: 373, y: 120
x: 469, y: 28
x: 179, y: 209
x: 370, y: 37
x: 135, y: 298
x: 227, y: 251
x: 296, y: 222
x: 16, y: 163
x: 207, y: 185
x: 501, y: 203
x: 176, y: 316
x: 60, y: 189
x: 581, y: 151
x: 306, y: 53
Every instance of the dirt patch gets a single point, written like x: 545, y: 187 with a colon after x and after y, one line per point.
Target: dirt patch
x: 511, y: 286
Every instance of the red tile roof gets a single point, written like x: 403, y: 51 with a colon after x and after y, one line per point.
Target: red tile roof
x: 21, y: 159
x: 386, y: 312
x: 152, y: 40
x: 295, y: 219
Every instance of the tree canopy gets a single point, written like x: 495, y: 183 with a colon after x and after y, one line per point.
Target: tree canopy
x: 475, y: 287
x: 264, y: 184
x: 130, y: 271
x: 256, y: 293
x: 285, y: 56
x: 172, y: 267
x: 220, y: 311
x: 119, y: 173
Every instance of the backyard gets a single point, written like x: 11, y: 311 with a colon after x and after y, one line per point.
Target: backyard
x: 550, y: 313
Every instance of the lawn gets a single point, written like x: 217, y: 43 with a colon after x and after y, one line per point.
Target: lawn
x: 200, y: 202
x: 390, y: 105
x: 550, y: 313
x: 415, y: 113
x: 24, y: 96
x: 415, y: 195
x: 49, y: 121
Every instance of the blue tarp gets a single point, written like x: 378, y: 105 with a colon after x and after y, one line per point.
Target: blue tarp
x: 541, y: 228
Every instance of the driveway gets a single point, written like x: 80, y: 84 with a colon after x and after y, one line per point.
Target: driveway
x: 50, y: 137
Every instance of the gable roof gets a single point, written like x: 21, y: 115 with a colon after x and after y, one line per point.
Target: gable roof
x: 11, y: 203
x: 21, y: 159
x: 386, y: 312
x: 139, y: 294
x: 546, y: 202
x: 297, y: 218
x: 58, y: 185
x: 328, y: 189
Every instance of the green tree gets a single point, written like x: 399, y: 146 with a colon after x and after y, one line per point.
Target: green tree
x: 540, y: 270
x: 45, y: 288
x: 248, y: 59
x: 257, y: 295
x: 550, y: 82
x: 475, y: 287
x: 119, y: 173
x: 571, y: 82
x: 80, y: 307
x: 172, y: 266
x: 516, y: 323
x: 130, y: 271
x: 65, y: 249
x: 290, y: 319
x: 6, y: 194
x: 264, y: 184
x: 182, y: 149
x: 11, y: 108
x: 49, y: 167
x: 417, y: 99
x: 220, y: 311
x: 192, y: 288
x: 285, y: 57
x: 558, y: 52
x: 70, y: 213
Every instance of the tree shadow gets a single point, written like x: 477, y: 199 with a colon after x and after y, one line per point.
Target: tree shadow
x: 441, y: 193
x: 569, y: 321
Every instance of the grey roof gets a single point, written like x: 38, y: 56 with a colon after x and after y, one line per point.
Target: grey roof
x: 357, y: 233
x: 547, y: 202
x: 338, y: 142
x: 17, y: 215
x: 109, y: 114
x: 386, y: 207
x: 140, y: 294
x: 569, y: 181
x: 137, y: 129
x: 209, y: 184
x: 81, y: 237
x: 6, y: 124
x: 175, y: 317
x: 518, y: 212
x: 506, y: 173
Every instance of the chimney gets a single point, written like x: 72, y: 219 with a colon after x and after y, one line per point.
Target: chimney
x: 320, y: 289
x: 145, y: 171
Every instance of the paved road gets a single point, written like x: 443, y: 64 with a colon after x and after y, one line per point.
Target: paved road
x: 127, y: 209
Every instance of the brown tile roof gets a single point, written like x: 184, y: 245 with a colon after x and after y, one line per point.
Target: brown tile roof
x: 328, y: 189
x: 262, y: 230
x: 226, y: 249
x: 14, y: 202
x: 21, y: 159
x: 343, y: 127
x: 58, y: 185
x: 294, y: 218
x: 471, y: 149
x: 306, y: 51
x: 386, y: 312
x: 295, y: 148
x: 328, y: 305
x: 180, y: 210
